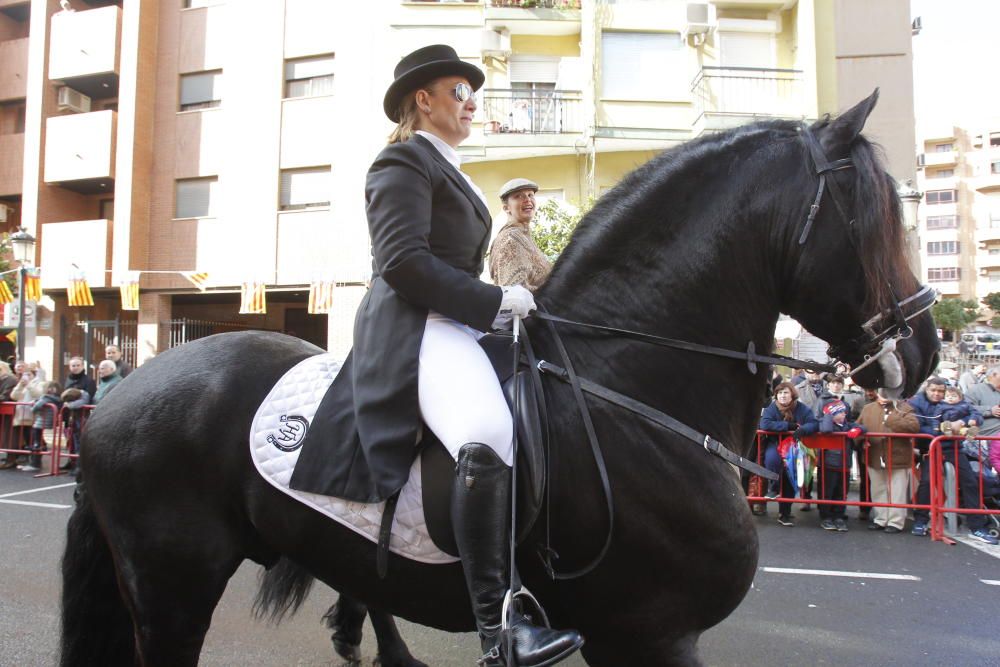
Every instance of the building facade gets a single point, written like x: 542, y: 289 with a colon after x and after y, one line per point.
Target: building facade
x: 232, y: 138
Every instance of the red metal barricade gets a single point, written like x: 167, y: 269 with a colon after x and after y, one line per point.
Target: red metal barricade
x: 18, y: 437
x: 71, y: 423
x: 939, y: 491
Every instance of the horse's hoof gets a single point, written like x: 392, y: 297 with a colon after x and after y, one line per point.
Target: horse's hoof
x: 408, y: 661
x: 349, y: 652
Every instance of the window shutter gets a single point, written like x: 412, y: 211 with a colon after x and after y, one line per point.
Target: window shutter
x: 194, y: 197
x: 743, y: 49
x: 640, y: 66
x: 307, y: 68
x: 201, y: 87
x: 305, y: 187
x: 534, y: 69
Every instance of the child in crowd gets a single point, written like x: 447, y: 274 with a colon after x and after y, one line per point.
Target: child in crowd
x: 44, y: 418
x: 835, y: 463
x: 958, y: 416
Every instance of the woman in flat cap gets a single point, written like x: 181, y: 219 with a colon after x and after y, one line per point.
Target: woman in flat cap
x: 514, y: 257
x: 416, y: 355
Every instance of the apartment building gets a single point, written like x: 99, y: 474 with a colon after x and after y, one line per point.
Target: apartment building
x: 231, y: 138
x: 959, y: 173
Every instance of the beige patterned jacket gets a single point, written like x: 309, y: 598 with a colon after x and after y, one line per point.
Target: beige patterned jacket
x: 516, y: 260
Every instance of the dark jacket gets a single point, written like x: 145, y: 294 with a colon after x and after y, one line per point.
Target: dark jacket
x: 805, y: 421
x: 962, y: 410
x: 124, y: 368
x: 928, y: 413
x: 45, y: 416
x: 429, y: 233
x: 105, y: 385
x: 833, y: 458
x: 83, y: 382
x: 7, y: 383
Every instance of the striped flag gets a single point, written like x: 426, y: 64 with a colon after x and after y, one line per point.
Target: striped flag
x: 33, y: 284
x: 78, y: 291
x: 197, y: 278
x: 129, y: 288
x: 320, y: 296
x: 6, y: 296
x: 253, y: 298
x: 12, y: 336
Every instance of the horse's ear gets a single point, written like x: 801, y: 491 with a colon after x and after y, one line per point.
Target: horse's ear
x: 838, y: 136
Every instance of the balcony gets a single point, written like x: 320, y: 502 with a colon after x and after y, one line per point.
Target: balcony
x: 534, y: 17
x: 987, y: 234
x: 14, y: 73
x: 985, y: 262
x: 80, y: 151
x: 509, y: 111
x: 84, y: 50
x: 725, y: 97
x: 11, y: 164
x: 85, y: 243
x: 942, y: 159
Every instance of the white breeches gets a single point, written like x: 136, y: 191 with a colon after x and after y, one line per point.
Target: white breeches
x: 460, y: 397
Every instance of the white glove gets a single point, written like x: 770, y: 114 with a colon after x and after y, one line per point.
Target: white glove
x: 516, y: 301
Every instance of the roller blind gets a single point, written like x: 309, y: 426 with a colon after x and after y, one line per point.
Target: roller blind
x: 534, y: 69
x: 201, y: 89
x: 304, y: 188
x: 195, y: 197
x: 642, y: 65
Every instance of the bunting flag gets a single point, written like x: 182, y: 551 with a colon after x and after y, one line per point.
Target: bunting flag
x: 78, y: 291
x: 320, y: 297
x: 6, y: 296
x: 198, y: 279
x: 129, y: 288
x: 12, y: 336
x: 33, y: 284
x: 253, y: 298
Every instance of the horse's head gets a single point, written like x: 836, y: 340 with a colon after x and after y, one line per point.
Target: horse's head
x: 849, y: 278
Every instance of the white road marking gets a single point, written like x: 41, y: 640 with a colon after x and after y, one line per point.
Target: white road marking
x: 44, y: 488
x: 977, y: 544
x: 31, y: 504
x: 839, y: 573
x: 991, y: 582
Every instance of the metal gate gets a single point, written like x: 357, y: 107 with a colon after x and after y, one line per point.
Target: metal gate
x: 89, y: 338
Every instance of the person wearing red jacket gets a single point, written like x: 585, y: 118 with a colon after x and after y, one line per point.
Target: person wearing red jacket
x: 835, y: 464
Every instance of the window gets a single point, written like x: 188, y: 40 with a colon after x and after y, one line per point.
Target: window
x: 636, y: 65
x: 305, y: 188
x: 942, y: 173
x: 943, y: 148
x: 994, y: 138
x: 309, y: 77
x: 189, y: 4
x: 943, y: 275
x: 202, y: 90
x: 107, y: 209
x: 942, y: 247
x: 994, y: 219
x: 942, y: 221
x: 941, y: 196
x: 195, y: 197
x: 995, y: 167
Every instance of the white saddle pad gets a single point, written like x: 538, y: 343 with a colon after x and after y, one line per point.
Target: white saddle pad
x: 277, y: 432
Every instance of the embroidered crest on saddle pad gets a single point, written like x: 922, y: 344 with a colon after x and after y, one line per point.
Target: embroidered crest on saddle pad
x: 276, y: 434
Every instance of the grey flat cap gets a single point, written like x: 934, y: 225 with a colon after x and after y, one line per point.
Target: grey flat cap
x: 515, y: 184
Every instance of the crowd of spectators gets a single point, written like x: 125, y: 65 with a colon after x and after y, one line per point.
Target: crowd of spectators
x: 818, y: 442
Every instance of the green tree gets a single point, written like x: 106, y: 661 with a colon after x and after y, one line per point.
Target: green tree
x: 992, y: 301
x: 955, y: 314
x: 554, y: 225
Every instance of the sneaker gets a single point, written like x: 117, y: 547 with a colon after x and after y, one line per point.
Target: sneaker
x: 28, y: 468
x: 983, y: 536
x: 771, y: 495
x: 786, y: 521
x: 841, y: 525
x: 877, y: 526
x: 892, y: 530
x: 827, y: 524
x: 920, y: 529
x: 757, y: 509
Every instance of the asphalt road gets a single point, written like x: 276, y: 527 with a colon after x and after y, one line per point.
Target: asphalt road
x: 940, y: 607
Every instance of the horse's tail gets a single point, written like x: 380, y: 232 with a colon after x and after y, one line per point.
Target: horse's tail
x: 96, y: 626
x: 283, y: 588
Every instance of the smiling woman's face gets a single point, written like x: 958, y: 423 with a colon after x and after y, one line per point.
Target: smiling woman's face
x: 441, y: 112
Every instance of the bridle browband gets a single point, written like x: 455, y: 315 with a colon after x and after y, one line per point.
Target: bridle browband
x: 870, y: 345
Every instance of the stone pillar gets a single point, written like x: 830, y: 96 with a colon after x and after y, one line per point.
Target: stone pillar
x: 154, y: 311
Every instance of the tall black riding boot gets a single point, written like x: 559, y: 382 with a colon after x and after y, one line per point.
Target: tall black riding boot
x: 480, y: 511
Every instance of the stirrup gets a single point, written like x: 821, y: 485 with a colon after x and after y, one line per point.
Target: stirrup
x: 512, y: 597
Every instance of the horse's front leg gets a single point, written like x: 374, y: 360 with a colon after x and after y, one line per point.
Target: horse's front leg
x: 346, y: 618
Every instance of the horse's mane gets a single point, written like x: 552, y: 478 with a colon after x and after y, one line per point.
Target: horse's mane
x: 640, y: 200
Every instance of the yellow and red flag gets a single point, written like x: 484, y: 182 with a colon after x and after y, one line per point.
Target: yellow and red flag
x: 253, y: 298
x: 12, y: 336
x: 129, y: 288
x: 197, y: 278
x: 78, y: 291
x: 320, y: 296
x: 6, y: 296
x: 33, y: 284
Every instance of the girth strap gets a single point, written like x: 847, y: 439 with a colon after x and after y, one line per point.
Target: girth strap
x: 710, y: 444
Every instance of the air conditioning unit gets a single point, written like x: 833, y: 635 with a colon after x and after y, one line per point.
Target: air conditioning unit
x: 496, y: 43
x: 700, y: 18
x: 72, y: 100
x: 921, y: 160
x: 6, y: 213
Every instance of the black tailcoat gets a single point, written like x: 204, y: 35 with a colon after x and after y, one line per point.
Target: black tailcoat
x: 429, y: 233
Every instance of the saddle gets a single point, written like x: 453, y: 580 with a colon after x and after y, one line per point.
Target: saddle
x: 438, y: 467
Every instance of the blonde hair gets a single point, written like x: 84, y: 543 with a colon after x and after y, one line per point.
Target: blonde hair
x: 409, y: 118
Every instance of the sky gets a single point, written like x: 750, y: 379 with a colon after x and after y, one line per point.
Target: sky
x: 955, y: 60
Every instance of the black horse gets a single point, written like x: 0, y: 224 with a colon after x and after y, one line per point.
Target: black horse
x: 702, y: 243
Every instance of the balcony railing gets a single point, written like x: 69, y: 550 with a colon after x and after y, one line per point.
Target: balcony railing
x: 507, y: 111
x: 531, y: 4
x: 749, y: 91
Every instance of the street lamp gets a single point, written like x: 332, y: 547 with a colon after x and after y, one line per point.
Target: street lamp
x: 911, y: 201
x: 24, y: 252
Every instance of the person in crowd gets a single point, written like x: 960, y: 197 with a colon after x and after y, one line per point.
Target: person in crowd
x: 27, y: 390
x: 928, y: 407
x: 810, y: 391
x: 995, y: 456
x: 44, y: 411
x: 514, y: 257
x: 114, y: 353
x: 889, y: 459
x: 835, y: 464
x: 972, y: 377
x: 7, y: 383
x: 80, y: 391
x: 108, y: 379
x: 985, y: 398
x: 416, y: 361
x: 785, y: 414
x: 776, y: 379
x: 958, y: 416
x: 858, y: 403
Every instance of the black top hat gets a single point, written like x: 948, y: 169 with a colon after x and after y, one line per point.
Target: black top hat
x: 422, y: 66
